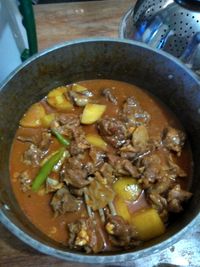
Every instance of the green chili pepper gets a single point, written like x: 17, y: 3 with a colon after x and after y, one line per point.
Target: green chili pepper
x: 64, y: 141
x: 46, y: 169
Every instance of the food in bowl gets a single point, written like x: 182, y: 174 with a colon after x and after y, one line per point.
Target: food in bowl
x: 100, y: 165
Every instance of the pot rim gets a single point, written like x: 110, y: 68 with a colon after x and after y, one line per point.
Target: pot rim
x: 78, y: 257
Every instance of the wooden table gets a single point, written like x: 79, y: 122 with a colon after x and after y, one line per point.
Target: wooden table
x: 57, y: 23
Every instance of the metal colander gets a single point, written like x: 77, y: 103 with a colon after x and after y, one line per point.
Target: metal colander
x: 163, y: 24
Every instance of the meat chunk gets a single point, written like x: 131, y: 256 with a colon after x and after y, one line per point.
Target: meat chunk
x: 107, y: 171
x: 79, y: 143
x: 173, y: 139
x: 175, y: 198
x: 133, y: 114
x: 107, y: 92
x: 63, y: 202
x: 120, y: 233
x: 78, y: 98
x: 113, y: 131
x: 123, y: 167
x: 97, y: 155
x: 33, y: 155
x: 76, y: 173
x: 25, y: 181
x: 84, y: 235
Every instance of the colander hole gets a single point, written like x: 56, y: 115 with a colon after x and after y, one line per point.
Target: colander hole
x: 174, y: 23
x: 181, y: 28
x: 190, y: 27
x: 187, y: 14
x: 181, y: 13
x: 181, y: 22
x: 165, y: 30
x: 160, y: 7
x: 180, y: 34
x: 185, y: 31
x: 186, y: 23
x: 197, y: 21
x: 174, y: 14
x: 193, y: 17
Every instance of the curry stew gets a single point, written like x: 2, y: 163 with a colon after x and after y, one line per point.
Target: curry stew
x: 100, y: 165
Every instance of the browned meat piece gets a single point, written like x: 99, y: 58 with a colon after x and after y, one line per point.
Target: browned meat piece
x: 97, y: 156
x: 99, y: 193
x: 158, y: 202
x: 113, y: 131
x: 33, y: 155
x: 108, y: 172
x: 76, y: 192
x: 65, y: 123
x: 45, y: 142
x: 140, y: 138
x: 133, y: 114
x: 120, y: 233
x: 84, y: 235
x: 173, y: 139
x: 123, y: 166
x: 63, y: 202
x: 107, y: 92
x: 28, y: 139
x: 79, y: 143
x: 75, y: 173
x: 25, y: 181
x: 175, y: 198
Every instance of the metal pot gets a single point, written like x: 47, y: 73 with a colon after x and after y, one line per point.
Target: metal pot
x: 160, y: 73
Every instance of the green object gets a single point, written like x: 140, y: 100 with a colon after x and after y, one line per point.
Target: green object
x: 28, y: 21
x: 61, y: 138
x: 46, y: 170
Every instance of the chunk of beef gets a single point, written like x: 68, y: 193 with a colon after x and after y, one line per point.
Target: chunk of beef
x: 175, y: 198
x: 120, y: 233
x: 107, y: 172
x: 133, y: 114
x: 123, y: 166
x: 75, y: 173
x: 99, y: 193
x: 158, y: 202
x: 79, y: 143
x: 97, y: 155
x: 33, y: 155
x: 113, y: 131
x: 45, y: 142
x: 173, y: 139
x: 63, y: 202
x: 107, y: 92
x: 84, y: 235
x: 25, y: 181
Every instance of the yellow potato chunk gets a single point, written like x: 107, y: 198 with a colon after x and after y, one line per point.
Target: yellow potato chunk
x: 92, y: 113
x: 96, y: 140
x: 78, y: 88
x: 57, y: 99
x: 127, y: 189
x: 47, y: 119
x: 32, y: 118
x: 148, y: 224
x: 122, y: 209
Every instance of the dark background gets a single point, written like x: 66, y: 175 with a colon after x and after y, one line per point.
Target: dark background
x: 58, y: 1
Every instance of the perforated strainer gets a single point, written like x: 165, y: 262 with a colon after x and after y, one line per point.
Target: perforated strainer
x: 163, y: 24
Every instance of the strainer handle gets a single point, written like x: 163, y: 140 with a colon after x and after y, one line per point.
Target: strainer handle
x: 191, y: 55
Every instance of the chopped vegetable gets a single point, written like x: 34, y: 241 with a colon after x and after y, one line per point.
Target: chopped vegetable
x: 140, y: 137
x: 58, y: 100
x: 148, y: 224
x: 32, y: 118
x: 122, y: 209
x: 96, y: 140
x: 127, y: 189
x: 78, y: 88
x: 92, y: 113
x: 64, y: 141
x: 47, y: 119
x: 46, y: 170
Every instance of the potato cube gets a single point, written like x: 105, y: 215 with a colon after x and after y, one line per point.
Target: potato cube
x: 78, y: 88
x: 96, y: 140
x: 127, y: 189
x: 32, y: 118
x: 122, y: 209
x: 148, y: 223
x: 47, y: 119
x: 57, y: 99
x: 92, y: 113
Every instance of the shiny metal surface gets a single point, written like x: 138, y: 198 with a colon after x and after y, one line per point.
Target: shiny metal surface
x: 164, y: 24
